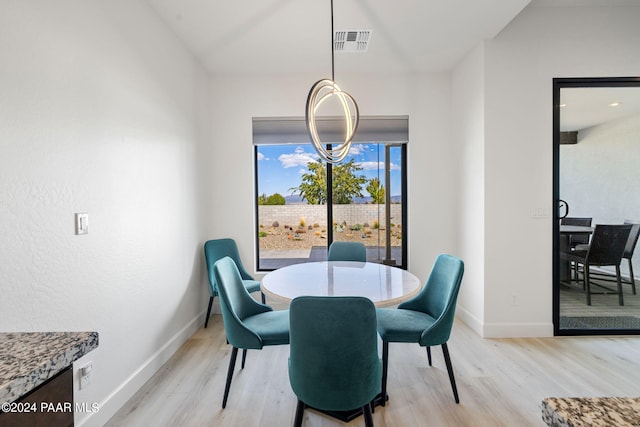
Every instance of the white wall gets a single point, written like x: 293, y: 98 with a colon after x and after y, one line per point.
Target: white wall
x: 101, y: 111
x: 599, y: 176
x: 431, y: 169
x: 539, y: 44
x: 468, y: 113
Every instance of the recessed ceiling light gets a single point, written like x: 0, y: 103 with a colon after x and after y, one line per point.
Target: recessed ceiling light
x: 614, y: 104
x: 563, y: 105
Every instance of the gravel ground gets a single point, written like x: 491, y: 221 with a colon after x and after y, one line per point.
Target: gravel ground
x: 290, y: 238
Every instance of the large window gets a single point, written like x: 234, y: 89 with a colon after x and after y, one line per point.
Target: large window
x: 303, y: 204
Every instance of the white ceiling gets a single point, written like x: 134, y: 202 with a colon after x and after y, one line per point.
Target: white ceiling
x: 584, y: 107
x: 283, y: 36
x: 409, y: 36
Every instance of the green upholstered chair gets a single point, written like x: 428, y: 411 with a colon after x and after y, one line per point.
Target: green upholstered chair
x: 247, y: 323
x: 347, y: 251
x: 334, y: 363
x: 426, y: 319
x: 220, y: 248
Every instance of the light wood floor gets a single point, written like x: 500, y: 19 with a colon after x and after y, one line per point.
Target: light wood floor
x: 501, y: 382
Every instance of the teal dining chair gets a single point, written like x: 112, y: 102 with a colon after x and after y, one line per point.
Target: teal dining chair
x: 427, y: 318
x: 347, y: 251
x: 334, y: 363
x: 215, y: 250
x: 247, y: 323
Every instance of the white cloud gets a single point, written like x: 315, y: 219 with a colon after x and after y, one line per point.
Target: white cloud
x: 356, y: 149
x: 298, y: 158
x: 262, y: 157
x: 370, y: 166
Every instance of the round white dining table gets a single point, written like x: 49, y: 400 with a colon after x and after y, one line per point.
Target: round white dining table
x: 384, y: 285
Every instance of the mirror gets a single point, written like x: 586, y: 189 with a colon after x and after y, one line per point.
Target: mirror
x: 596, y: 126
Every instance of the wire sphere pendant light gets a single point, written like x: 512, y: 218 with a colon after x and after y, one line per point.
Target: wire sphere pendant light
x: 321, y: 91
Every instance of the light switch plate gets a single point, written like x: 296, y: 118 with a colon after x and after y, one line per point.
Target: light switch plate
x: 82, y: 223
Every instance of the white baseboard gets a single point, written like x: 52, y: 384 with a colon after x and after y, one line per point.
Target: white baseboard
x: 517, y: 330
x: 116, y: 400
x: 470, y: 320
x: 504, y: 330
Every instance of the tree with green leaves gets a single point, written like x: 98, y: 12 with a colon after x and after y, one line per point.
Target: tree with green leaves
x: 313, y: 187
x: 274, y: 199
x: 345, y: 185
x: 376, y: 190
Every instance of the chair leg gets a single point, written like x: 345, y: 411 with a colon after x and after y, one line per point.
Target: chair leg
x: 244, y: 357
x: 366, y: 412
x: 429, y: 355
x: 232, y: 365
x: 632, y: 277
x: 385, y: 362
x: 206, y: 322
x: 264, y: 298
x: 297, y: 421
x: 619, y: 280
x: 587, y: 285
x: 447, y: 360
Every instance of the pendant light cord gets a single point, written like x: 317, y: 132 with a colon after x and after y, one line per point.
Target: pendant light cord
x: 319, y: 92
x: 333, y: 77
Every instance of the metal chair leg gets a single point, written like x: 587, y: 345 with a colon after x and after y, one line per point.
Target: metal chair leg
x: 619, y: 282
x: 587, y: 285
x: 385, y: 362
x: 232, y: 365
x: 368, y: 419
x: 244, y: 357
x: 206, y: 322
x: 632, y: 277
x: 429, y: 355
x: 297, y: 421
x: 447, y: 360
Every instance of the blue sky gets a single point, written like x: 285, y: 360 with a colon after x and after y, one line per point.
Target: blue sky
x: 280, y: 167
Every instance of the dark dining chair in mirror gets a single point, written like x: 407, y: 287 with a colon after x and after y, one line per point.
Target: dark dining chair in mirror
x: 218, y: 249
x: 248, y: 324
x: 347, y: 251
x: 577, y: 239
x: 629, y: 250
x: 606, y: 249
x: 426, y: 319
x: 334, y: 364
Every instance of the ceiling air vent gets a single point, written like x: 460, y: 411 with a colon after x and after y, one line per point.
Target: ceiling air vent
x: 351, y: 40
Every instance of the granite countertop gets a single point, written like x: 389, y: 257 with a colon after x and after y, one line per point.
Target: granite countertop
x: 28, y: 359
x: 591, y: 411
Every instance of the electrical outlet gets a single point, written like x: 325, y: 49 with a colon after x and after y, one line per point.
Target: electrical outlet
x: 85, y: 375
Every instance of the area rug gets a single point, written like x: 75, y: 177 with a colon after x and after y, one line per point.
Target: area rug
x: 600, y: 322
